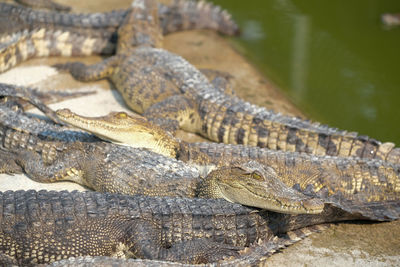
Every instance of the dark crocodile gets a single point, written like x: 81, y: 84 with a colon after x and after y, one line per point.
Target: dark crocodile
x: 42, y: 227
x: 167, y: 89
x: 27, y: 33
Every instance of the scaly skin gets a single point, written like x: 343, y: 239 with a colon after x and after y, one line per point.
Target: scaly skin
x: 255, y: 255
x: 42, y: 227
x: 112, y: 168
x: 177, y: 15
x: 368, y: 186
x: 120, y: 127
x: 27, y: 33
x: 172, y: 93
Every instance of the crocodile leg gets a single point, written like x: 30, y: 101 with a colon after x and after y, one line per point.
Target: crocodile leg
x: 221, y: 80
x: 47, y: 4
x: 8, y: 164
x: 93, y: 72
x: 199, y: 250
x: 149, y: 87
x: 39, y: 169
x: 29, y: 95
x: 173, y: 113
x: 6, y: 260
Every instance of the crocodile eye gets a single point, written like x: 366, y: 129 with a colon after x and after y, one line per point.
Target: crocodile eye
x: 256, y: 175
x: 121, y: 115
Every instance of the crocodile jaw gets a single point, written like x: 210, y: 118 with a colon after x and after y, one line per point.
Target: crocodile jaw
x: 254, y: 184
x: 119, y: 127
x: 264, y: 200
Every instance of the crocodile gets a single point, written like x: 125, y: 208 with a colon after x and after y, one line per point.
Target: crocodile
x: 353, y: 184
x: 40, y: 227
x: 114, y: 168
x: 27, y: 33
x: 109, y: 167
x: 367, y: 187
x: 169, y: 90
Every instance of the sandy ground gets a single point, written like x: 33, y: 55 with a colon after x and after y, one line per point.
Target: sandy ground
x: 345, y: 244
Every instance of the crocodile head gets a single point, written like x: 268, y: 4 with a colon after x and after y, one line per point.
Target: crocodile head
x: 255, y: 185
x: 119, y: 127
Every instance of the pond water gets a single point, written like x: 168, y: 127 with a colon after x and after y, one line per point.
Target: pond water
x: 335, y: 59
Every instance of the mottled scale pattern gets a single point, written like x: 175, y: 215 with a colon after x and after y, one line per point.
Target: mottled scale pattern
x: 43, y: 226
x: 255, y: 255
x: 368, y: 186
x: 32, y: 33
x: 49, y: 152
x: 97, y: 164
x: 177, y: 15
x: 103, y: 261
x: 90, y: 20
x: 184, y: 15
x: 42, y: 42
x: 228, y: 119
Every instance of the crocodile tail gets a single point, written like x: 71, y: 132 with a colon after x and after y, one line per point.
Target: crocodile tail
x: 188, y: 15
x: 386, y: 210
x: 23, y: 45
x: 231, y: 120
x: 30, y: 16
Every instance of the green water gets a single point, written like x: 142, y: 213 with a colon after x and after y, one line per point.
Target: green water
x: 334, y: 59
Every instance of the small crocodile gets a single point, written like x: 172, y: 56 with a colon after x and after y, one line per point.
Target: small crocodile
x: 108, y: 167
x: 171, y: 92
x: 368, y: 186
x: 27, y: 33
x: 39, y: 227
